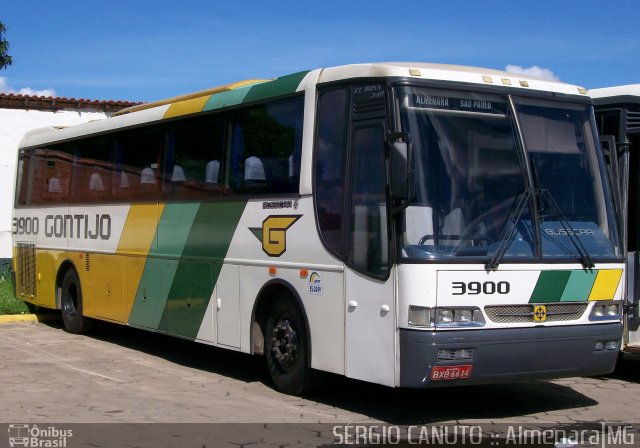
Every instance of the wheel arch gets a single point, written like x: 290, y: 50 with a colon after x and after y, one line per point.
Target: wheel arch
x: 266, y: 298
x: 65, y: 266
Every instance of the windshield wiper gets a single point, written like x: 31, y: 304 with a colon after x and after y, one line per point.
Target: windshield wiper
x: 585, y: 258
x: 510, y: 226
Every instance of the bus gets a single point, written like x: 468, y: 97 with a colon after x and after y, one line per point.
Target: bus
x: 407, y: 224
x: 618, y: 120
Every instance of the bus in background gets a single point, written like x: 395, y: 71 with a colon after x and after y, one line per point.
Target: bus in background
x: 411, y: 225
x: 618, y: 119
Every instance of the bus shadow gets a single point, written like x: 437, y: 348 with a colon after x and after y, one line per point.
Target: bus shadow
x: 627, y: 369
x: 206, y: 358
x: 395, y: 406
x: 424, y: 406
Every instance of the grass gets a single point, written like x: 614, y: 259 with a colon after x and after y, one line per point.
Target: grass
x: 8, y: 303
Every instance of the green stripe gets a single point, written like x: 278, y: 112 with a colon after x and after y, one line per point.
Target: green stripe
x: 197, y: 272
x: 256, y: 92
x: 160, y: 270
x: 579, y: 286
x: 226, y: 99
x: 550, y: 286
x: 278, y: 87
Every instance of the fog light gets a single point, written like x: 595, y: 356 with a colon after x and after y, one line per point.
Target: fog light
x: 419, y: 316
x: 599, y: 346
x: 611, y: 345
x: 445, y: 354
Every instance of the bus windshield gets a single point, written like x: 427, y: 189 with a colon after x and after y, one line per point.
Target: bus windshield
x: 474, y: 196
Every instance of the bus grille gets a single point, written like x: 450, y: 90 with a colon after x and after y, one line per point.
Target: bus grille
x: 514, y: 314
x: 26, y: 267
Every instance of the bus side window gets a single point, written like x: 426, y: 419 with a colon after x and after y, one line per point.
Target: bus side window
x: 57, y: 173
x: 192, y: 160
x: 138, y: 153
x: 266, y: 141
x: 92, y: 170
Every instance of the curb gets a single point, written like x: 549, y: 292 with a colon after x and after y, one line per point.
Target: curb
x: 12, y: 318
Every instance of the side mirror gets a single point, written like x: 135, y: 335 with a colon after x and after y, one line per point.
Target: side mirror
x: 402, y: 170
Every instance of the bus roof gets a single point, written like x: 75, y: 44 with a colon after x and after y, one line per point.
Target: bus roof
x: 615, y: 95
x: 446, y: 72
x: 259, y: 89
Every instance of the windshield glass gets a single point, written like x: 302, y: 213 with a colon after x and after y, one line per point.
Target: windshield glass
x: 471, y: 198
x: 573, y: 190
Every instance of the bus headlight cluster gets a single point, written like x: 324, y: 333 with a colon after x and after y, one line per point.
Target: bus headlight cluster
x: 606, y: 310
x: 420, y: 316
x: 451, y: 317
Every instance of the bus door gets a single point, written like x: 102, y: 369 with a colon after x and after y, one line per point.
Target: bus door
x: 369, y: 282
x: 623, y: 164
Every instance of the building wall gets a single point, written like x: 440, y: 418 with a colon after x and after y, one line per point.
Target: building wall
x: 13, y: 125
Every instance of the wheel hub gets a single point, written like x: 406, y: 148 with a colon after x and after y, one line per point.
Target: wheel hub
x: 284, y: 343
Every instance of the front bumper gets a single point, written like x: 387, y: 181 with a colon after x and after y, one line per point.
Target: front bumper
x: 509, y: 355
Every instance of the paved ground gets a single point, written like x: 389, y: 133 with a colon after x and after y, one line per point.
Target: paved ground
x: 123, y: 375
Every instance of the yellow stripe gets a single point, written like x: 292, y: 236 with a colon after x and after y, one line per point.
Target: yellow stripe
x: 175, y: 99
x: 606, y: 284
x: 139, y: 229
x: 133, y: 249
x: 47, y: 265
x: 193, y: 103
x: 187, y: 107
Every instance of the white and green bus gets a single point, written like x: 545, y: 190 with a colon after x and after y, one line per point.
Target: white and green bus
x: 618, y: 119
x: 411, y: 225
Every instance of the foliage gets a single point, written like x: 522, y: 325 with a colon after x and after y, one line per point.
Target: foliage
x: 8, y: 303
x: 5, y: 59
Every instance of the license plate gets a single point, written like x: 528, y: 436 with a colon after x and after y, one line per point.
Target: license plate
x: 444, y: 373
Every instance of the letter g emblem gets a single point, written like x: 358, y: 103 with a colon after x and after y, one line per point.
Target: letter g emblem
x: 274, y: 234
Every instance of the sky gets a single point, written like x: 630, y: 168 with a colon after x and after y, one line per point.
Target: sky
x: 148, y: 50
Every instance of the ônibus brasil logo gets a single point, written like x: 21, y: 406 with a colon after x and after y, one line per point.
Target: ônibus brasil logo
x: 33, y: 436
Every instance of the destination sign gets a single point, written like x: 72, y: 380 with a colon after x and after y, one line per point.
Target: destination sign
x: 458, y: 104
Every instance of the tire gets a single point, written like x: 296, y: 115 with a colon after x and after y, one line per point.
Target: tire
x: 71, y: 304
x: 287, y: 348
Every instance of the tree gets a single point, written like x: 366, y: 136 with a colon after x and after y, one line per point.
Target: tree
x: 5, y: 59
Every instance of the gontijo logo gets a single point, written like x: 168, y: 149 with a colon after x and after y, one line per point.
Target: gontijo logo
x: 273, y: 233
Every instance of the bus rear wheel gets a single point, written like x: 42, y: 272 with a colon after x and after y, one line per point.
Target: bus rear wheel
x: 286, y: 348
x: 71, y: 304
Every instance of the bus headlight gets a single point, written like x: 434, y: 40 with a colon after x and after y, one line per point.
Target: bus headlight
x: 419, y: 316
x: 445, y: 316
x: 459, y: 317
x: 613, y: 309
x: 606, y: 311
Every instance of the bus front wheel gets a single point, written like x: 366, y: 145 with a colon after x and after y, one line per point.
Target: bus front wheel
x: 71, y: 304
x: 286, y: 348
